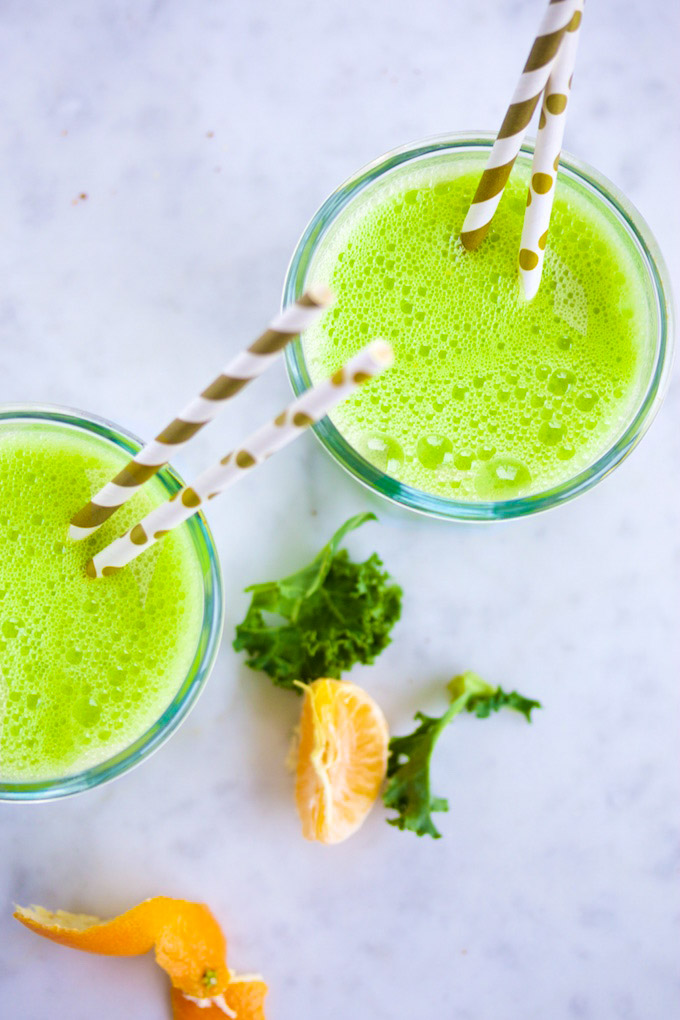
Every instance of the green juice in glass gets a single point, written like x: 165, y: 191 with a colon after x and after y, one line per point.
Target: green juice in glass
x: 490, y: 397
x: 85, y: 666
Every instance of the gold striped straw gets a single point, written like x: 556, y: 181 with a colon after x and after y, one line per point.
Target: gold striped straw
x: 546, y: 160
x: 242, y: 369
x: 306, y: 410
x: 509, y: 139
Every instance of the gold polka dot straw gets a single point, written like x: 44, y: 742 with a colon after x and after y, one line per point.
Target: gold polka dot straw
x: 287, y: 426
x: 546, y: 160
x: 241, y: 370
x: 509, y: 139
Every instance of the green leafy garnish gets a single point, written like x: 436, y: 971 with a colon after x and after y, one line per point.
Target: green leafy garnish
x: 408, y: 777
x: 335, y: 613
x: 483, y: 707
x: 408, y: 766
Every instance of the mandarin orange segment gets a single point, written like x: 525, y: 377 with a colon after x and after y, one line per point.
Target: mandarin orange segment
x: 243, y: 998
x: 342, y: 758
x: 189, y: 943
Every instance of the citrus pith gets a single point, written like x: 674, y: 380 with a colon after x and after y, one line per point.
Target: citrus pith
x: 242, y: 999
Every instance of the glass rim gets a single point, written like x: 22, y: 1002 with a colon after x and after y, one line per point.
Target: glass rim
x: 657, y: 283
x: 208, y: 641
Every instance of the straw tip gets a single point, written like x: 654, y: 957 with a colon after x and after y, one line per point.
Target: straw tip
x: 320, y: 295
x: 381, y: 352
x: 529, y: 284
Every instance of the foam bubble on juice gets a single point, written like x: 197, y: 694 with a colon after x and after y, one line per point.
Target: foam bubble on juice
x: 86, y: 666
x: 490, y: 397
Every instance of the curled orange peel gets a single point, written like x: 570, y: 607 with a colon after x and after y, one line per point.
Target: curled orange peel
x: 242, y: 999
x: 188, y: 941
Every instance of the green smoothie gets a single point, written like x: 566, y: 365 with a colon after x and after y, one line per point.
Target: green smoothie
x: 490, y: 397
x: 85, y: 666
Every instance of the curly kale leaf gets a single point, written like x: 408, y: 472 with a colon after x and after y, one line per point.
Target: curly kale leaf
x: 483, y: 707
x: 408, y: 777
x: 334, y: 613
x: 408, y: 767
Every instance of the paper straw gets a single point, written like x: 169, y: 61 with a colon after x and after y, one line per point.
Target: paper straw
x: 236, y: 374
x: 305, y: 411
x: 509, y: 139
x: 546, y: 160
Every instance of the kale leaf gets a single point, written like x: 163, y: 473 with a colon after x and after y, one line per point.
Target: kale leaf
x: 334, y: 613
x: 408, y: 777
x: 408, y: 766
x: 483, y: 707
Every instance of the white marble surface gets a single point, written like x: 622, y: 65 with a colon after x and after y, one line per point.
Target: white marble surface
x: 204, y: 135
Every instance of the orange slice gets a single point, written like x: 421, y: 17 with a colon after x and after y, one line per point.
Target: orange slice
x: 342, y: 758
x: 188, y: 940
x: 243, y: 998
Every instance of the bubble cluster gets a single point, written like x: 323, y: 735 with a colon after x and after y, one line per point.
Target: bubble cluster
x: 490, y: 397
x: 85, y: 667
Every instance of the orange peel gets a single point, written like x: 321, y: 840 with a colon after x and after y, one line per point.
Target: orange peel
x: 242, y: 999
x: 188, y: 941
